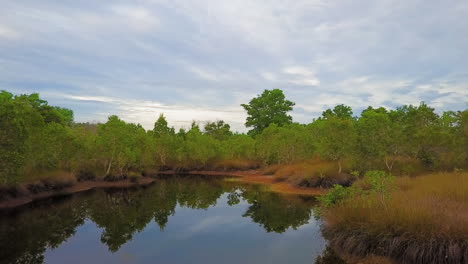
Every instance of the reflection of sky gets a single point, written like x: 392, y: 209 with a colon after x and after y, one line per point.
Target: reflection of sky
x: 217, y: 235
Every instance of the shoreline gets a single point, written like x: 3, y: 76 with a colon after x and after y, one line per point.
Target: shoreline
x: 251, y: 176
x: 76, y: 188
x: 255, y: 177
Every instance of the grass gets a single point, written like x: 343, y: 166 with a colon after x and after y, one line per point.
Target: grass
x: 310, y: 173
x: 423, y: 220
x: 235, y: 165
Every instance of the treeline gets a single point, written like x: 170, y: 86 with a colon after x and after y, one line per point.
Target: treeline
x: 38, y: 138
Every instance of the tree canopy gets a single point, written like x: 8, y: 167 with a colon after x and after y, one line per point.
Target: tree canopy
x: 269, y: 107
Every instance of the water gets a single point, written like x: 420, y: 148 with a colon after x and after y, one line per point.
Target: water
x: 175, y: 220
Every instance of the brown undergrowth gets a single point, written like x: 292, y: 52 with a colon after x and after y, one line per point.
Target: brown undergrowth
x: 423, y: 220
x: 310, y: 173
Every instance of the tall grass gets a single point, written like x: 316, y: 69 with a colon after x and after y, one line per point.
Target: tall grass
x: 235, y: 164
x: 423, y: 220
x: 310, y: 173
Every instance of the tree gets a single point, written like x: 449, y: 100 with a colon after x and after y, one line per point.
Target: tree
x: 335, y: 134
x: 218, y: 129
x: 165, y: 137
x: 340, y: 111
x: 284, y: 144
x: 269, y: 107
x: 378, y: 137
x: 117, y: 141
x: 161, y: 128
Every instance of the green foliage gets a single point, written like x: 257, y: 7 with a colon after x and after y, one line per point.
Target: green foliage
x: 334, y: 138
x: 380, y: 181
x: 340, y: 111
x: 36, y: 137
x: 335, y: 195
x: 269, y: 107
x: 280, y: 145
x: 219, y: 130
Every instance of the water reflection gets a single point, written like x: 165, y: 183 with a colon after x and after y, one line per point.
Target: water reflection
x: 26, y: 234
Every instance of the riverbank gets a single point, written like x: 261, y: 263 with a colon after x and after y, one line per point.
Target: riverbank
x: 250, y: 176
x: 76, y: 188
x: 257, y: 177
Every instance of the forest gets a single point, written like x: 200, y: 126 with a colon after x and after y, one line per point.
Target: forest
x: 43, y: 141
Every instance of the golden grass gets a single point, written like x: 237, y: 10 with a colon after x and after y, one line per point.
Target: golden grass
x: 310, y: 173
x: 235, y: 164
x: 423, y: 216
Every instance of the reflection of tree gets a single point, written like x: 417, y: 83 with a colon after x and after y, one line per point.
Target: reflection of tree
x: 329, y: 257
x: 233, y: 198
x: 25, y: 236
x: 123, y: 213
x: 276, y: 213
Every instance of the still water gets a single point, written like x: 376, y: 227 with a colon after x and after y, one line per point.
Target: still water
x: 175, y: 220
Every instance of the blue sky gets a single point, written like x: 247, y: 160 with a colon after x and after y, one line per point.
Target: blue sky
x: 200, y: 59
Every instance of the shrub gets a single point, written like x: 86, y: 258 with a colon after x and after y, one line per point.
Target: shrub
x: 335, y: 195
x: 85, y: 175
x: 134, y: 176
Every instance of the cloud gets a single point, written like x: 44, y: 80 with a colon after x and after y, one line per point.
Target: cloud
x: 302, y: 76
x: 202, y: 57
x: 140, y: 18
x: 8, y: 33
x: 146, y: 112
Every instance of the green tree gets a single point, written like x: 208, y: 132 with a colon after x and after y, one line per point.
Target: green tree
x: 340, y: 111
x: 161, y: 128
x: 165, y: 140
x: 269, y: 107
x: 335, y: 136
x: 378, y: 137
x: 218, y: 130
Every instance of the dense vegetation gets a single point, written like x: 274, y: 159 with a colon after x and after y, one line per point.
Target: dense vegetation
x: 39, y: 141
x: 414, y: 220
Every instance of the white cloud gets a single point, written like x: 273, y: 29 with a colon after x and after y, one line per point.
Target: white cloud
x: 138, y: 17
x: 194, y: 57
x: 8, y: 33
x: 302, y: 76
x: 146, y: 112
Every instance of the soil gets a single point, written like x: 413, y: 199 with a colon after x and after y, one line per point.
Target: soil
x: 78, y: 187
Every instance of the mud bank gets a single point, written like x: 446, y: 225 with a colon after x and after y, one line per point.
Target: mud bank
x: 78, y: 187
x: 255, y: 176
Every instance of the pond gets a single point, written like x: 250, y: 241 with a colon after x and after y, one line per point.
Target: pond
x: 178, y: 219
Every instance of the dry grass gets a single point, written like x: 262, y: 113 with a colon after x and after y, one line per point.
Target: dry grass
x: 270, y: 169
x: 312, y: 173
x: 235, y: 165
x: 424, y: 220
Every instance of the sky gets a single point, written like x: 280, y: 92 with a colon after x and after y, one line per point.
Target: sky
x: 200, y: 59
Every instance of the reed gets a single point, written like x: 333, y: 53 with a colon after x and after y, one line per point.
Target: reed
x: 423, y: 220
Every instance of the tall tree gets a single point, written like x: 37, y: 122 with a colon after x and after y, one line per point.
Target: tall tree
x: 164, y: 140
x: 218, y: 129
x: 335, y: 134
x: 269, y: 107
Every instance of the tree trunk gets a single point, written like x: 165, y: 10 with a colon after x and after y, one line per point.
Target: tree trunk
x: 389, y: 165
x: 109, y: 167
x: 339, y: 166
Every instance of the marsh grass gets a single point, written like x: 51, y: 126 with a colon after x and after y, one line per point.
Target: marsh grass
x: 235, y: 165
x: 423, y: 220
x: 311, y: 173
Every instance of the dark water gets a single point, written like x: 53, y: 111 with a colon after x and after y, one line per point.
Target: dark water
x: 175, y: 220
